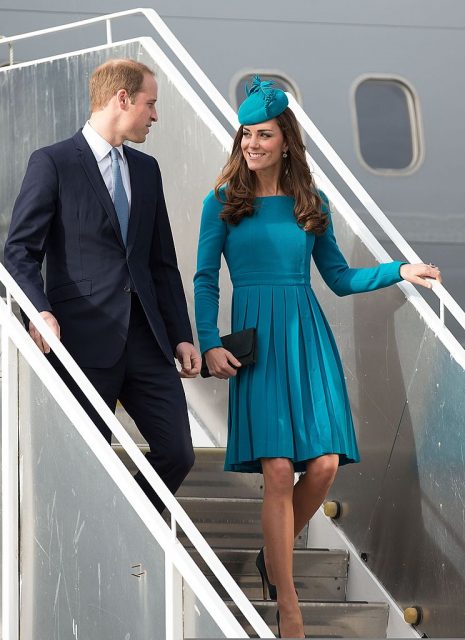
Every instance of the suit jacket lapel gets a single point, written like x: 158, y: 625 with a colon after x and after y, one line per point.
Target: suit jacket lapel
x: 136, y: 190
x: 90, y: 166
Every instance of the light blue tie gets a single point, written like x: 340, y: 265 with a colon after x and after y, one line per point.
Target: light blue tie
x: 120, y: 199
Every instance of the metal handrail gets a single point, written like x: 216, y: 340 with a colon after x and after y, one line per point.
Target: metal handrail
x: 168, y: 36
x: 445, y: 298
x: 434, y: 321
x: 178, y: 515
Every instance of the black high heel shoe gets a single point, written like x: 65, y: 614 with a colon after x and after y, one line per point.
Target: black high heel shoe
x: 260, y: 564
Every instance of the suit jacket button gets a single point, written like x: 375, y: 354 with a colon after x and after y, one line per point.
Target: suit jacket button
x: 127, y: 289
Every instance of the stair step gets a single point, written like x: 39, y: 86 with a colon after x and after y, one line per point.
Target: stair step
x: 328, y: 619
x: 208, y: 478
x: 125, y: 459
x: 230, y: 523
x: 319, y: 574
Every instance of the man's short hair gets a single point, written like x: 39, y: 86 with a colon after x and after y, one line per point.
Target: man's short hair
x: 113, y: 75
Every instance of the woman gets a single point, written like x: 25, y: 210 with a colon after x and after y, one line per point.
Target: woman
x: 289, y: 412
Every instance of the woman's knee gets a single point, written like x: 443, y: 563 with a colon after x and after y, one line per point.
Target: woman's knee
x: 324, y: 468
x: 278, y: 474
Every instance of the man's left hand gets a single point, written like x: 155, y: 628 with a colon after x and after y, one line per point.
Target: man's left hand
x: 189, y: 359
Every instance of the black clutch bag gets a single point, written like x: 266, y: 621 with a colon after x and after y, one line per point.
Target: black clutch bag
x: 243, y: 346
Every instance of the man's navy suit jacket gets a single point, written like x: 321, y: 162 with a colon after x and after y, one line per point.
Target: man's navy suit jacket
x: 64, y: 212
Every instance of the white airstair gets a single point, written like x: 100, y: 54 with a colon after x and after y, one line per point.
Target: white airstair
x: 85, y: 555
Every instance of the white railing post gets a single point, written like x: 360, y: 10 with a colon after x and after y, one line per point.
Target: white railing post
x: 173, y: 594
x: 10, y: 488
x: 169, y: 605
x: 109, y: 34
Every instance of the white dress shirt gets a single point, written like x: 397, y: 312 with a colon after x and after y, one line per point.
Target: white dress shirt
x: 101, y: 150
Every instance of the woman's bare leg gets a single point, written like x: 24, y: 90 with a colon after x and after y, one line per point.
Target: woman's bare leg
x: 278, y: 532
x: 312, y: 488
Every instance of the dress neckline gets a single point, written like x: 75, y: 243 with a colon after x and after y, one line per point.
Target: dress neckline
x: 275, y: 196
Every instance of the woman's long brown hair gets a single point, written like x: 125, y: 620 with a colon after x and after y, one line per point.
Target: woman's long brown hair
x: 295, y: 180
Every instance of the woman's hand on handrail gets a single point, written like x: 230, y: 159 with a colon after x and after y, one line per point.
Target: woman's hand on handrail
x: 419, y: 274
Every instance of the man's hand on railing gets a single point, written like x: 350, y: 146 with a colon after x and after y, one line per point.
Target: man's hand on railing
x: 418, y: 274
x: 36, y: 336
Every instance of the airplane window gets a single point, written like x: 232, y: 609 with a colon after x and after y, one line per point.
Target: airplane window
x: 280, y: 82
x: 387, y: 124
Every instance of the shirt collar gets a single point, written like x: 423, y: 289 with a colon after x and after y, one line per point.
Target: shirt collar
x: 100, y: 147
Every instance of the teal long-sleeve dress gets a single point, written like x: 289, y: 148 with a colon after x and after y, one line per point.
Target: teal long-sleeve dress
x: 293, y: 401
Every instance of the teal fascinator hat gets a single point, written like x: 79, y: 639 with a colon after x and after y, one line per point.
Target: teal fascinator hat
x: 263, y: 102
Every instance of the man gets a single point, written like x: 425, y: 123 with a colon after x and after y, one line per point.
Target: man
x: 95, y: 208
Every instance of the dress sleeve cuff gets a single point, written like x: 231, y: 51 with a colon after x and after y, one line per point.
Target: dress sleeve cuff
x: 400, y: 265
x: 210, y: 343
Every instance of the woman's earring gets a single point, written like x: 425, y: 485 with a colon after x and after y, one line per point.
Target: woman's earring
x: 284, y: 154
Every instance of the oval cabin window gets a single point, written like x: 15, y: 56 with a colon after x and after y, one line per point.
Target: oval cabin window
x: 387, y: 123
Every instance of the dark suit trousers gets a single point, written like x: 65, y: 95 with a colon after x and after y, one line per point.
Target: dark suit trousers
x: 150, y: 390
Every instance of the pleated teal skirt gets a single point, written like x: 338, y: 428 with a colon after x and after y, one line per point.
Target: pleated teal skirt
x: 292, y: 402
